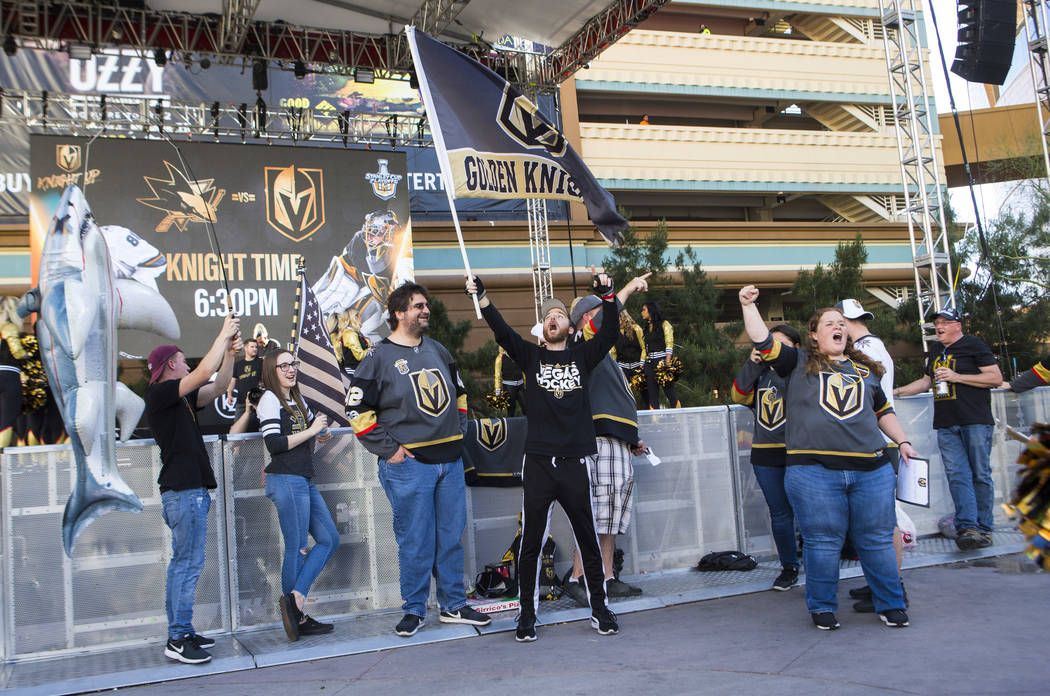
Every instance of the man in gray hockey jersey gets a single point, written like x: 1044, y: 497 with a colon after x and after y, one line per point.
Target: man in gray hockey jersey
x: 409, y: 408
x: 615, y: 415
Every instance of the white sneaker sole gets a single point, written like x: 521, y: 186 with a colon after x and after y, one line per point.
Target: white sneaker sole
x: 597, y: 627
x: 526, y: 639
x: 182, y: 658
x: 459, y: 620
x: 892, y: 625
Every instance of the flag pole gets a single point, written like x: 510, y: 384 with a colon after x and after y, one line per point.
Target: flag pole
x: 293, y: 345
x: 439, y: 145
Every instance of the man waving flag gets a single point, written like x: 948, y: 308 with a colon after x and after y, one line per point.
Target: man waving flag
x: 492, y: 142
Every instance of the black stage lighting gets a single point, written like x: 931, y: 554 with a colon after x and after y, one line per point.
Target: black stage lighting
x: 413, y: 80
x: 205, y: 62
x: 299, y: 69
x: 10, y: 47
x: 160, y: 57
x: 260, y: 76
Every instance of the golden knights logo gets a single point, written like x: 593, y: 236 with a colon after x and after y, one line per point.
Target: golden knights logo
x: 770, y: 411
x: 384, y: 184
x: 521, y: 120
x: 431, y: 391
x: 182, y: 200
x: 295, y: 201
x: 67, y: 157
x: 492, y: 433
x: 841, y: 395
x: 943, y: 391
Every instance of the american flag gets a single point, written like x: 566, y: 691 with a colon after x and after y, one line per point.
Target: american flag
x: 321, y: 382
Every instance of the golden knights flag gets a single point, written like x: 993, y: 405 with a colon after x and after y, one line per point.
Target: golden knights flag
x: 321, y: 382
x: 492, y: 142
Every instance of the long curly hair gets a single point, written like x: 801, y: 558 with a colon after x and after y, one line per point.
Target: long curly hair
x: 817, y: 361
x: 626, y: 323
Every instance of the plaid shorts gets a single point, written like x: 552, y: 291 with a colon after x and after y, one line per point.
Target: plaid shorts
x: 612, y: 484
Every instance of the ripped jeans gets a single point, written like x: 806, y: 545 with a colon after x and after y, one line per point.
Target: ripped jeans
x: 301, y: 510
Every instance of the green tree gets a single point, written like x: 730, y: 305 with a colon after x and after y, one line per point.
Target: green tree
x: 475, y: 368
x: 709, y: 357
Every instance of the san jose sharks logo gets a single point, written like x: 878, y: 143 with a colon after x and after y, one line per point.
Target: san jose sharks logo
x: 182, y: 200
x: 521, y: 120
x: 841, y: 395
x: 431, y: 391
x: 492, y: 433
x: 67, y: 157
x: 771, y: 414
x: 295, y: 201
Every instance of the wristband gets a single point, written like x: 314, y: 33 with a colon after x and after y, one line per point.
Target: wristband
x: 903, y: 442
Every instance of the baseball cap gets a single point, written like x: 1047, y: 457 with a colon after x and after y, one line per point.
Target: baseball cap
x: 950, y: 313
x: 158, y: 358
x: 852, y: 309
x: 552, y: 303
x: 582, y: 305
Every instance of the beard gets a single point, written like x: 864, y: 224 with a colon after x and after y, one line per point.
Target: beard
x: 555, y: 336
x: 418, y: 326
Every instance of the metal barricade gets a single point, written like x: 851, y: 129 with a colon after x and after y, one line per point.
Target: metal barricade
x: 111, y: 591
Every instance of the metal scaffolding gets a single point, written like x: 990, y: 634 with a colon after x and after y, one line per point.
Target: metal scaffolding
x: 914, y: 119
x: 540, y: 247
x: 56, y: 113
x: 1039, y: 67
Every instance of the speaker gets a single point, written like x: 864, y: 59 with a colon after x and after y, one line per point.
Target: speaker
x: 260, y: 75
x: 986, y: 40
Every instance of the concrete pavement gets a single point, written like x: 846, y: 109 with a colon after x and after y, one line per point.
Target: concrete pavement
x: 978, y: 627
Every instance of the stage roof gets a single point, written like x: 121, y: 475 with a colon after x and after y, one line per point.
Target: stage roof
x: 548, y: 22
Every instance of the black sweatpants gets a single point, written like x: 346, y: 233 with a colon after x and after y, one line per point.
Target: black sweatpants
x: 652, y: 387
x: 566, y: 480
x: 516, y: 394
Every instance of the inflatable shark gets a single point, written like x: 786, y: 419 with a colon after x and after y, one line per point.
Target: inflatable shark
x: 81, y: 304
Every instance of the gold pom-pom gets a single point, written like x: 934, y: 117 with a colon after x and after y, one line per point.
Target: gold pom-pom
x: 1029, y: 501
x: 498, y: 400
x: 668, y: 373
x: 34, y: 381
x: 637, y: 381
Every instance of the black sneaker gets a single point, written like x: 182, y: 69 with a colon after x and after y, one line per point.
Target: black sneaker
x: 986, y: 539
x: 894, y: 618
x: 860, y: 592
x: 290, y: 616
x: 465, y: 615
x: 312, y: 627
x: 202, y: 641
x: 618, y: 588
x: 787, y: 579
x: 576, y: 590
x: 185, y: 650
x: 408, y: 625
x: 526, y: 632
x: 970, y: 539
x: 825, y: 621
x: 867, y: 606
x: 604, y: 622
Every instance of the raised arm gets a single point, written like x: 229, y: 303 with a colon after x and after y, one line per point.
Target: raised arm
x: 753, y: 324
x: 212, y: 361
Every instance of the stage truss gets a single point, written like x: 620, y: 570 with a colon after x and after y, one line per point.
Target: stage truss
x: 67, y: 114
x: 916, y: 147
x: 1039, y: 66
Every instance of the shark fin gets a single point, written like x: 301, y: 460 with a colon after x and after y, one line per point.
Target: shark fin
x: 129, y: 409
x: 29, y: 303
x: 141, y: 307
x: 86, y: 406
x: 81, y: 314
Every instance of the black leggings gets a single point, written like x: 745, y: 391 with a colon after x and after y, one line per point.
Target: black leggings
x: 652, y: 387
x: 10, y: 398
x: 516, y: 394
x: 545, y: 480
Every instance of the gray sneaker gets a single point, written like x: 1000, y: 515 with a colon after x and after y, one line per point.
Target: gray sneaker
x: 576, y: 591
x: 970, y: 539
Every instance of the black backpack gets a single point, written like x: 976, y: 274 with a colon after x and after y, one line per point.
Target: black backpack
x: 726, y: 560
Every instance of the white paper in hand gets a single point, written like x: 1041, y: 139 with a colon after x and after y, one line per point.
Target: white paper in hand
x: 913, y: 481
x: 653, y: 459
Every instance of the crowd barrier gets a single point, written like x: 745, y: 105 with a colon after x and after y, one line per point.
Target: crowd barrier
x: 702, y: 497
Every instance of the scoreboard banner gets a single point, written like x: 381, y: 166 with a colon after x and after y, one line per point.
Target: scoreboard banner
x: 345, y: 213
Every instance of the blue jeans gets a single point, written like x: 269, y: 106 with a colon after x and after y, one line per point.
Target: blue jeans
x: 827, y: 504
x: 782, y: 519
x: 430, y: 513
x: 301, y: 510
x: 966, y: 453
x: 186, y: 514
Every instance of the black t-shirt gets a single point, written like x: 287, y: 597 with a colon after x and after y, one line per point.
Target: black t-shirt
x: 963, y: 404
x: 173, y: 419
x: 556, y: 386
x: 247, y: 373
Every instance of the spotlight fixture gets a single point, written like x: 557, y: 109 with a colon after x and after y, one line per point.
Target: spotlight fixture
x: 413, y: 80
x: 205, y: 62
x: 10, y: 47
x: 160, y: 57
x: 299, y: 69
x: 364, y: 75
x: 78, y: 51
x: 260, y: 77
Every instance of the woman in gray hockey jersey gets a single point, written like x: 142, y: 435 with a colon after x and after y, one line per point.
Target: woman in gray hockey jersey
x: 838, y: 476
